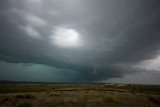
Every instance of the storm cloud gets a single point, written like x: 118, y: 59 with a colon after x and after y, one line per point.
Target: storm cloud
x: 108, y: 39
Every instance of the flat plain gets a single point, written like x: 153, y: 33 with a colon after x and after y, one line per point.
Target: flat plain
x: 78, y: 95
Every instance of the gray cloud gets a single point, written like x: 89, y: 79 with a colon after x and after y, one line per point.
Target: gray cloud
x: 112, y: 32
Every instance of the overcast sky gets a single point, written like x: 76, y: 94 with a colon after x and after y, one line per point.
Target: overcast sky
x: 80, y: 41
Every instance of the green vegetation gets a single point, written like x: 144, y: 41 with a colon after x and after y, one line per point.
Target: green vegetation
x: 78, y: 95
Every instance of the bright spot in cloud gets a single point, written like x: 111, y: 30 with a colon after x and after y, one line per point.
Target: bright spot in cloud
x: 150, y: 65
x: 65, y: 37
x: 34, y: 0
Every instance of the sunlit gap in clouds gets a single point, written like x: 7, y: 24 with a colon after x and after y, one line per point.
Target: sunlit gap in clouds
x: 66, y: 37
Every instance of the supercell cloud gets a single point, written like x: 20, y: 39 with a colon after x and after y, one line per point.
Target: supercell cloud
x: 80, y: 40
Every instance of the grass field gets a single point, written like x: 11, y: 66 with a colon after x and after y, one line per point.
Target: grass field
x: 78, y: 95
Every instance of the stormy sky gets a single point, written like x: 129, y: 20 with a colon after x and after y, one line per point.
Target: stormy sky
x: 82, y: 41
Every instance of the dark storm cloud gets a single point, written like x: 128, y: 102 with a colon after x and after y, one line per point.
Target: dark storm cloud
x: 113, y: 32
x: 134, y: 32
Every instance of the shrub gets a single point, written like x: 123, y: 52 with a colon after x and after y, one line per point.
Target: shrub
x: 110, y: 99
x: 25, y: 96
x: 24, y: 103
